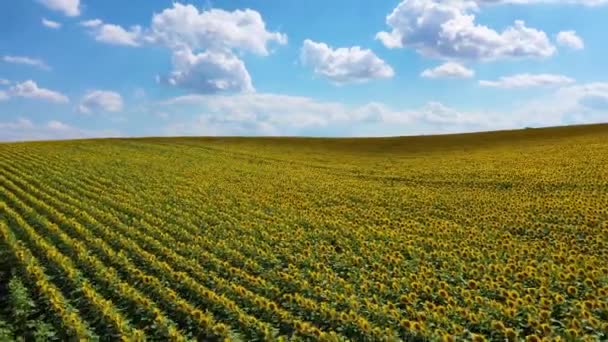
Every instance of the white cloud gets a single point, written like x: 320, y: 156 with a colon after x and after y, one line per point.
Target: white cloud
x: 35, y: 62
x: 19, y: 123
x: 101, y: 101
x: 214, y: 29
x: 4, y: 81
x: 528, y: 81
x: 3, y: 96
x: 447, y: 29
x: 276, y: 114
x: 23, y: 129
x: 209, y: 72
x: 185, y: 26
x: 344, y: 65
x: 561, y: 2
x: 114, y: 34
x: 574, y: 104
x: 257, y: 114
x: 570, y: 39
x: 29, y: 89
x: 51, y: 24
x: 205, y: 44
x: 70, y: 8
x: 57, y: 125
x: 448, y: 70
x: 91, y: 23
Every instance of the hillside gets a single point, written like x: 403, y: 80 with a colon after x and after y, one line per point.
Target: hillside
x: 477, y: 236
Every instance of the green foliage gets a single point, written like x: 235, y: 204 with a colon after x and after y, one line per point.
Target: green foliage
x: 43, y: 331
x: 21, y: 304
x: 6, y: 332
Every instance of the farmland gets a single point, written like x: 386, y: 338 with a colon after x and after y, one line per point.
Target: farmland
x: 486, y: 236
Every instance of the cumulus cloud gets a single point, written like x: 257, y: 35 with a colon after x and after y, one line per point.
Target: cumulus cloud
x: 447, y: 29
x: 101, y: 101
x: 570, y: 39
x: 22, y: 129
x: 448, y: 70
x: 35, y: 62
x: 114, y: 34
x: 51, y: 24
x: 528, y: 81
x: 185, y: 26
x: 29, y: 89
x: 214, y: 29
x: 205, y: 44
x: 4, y: 81
x: 209, y: 72
x: 3, y: 96
x: 70, y: 8
x: 344, y: 65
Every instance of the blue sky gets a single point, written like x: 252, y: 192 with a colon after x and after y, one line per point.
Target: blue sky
x: 71, y: 68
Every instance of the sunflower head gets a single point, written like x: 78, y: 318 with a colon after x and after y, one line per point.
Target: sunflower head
x: 533, y: 338
x: 447, y: 338
x: 571, y: 290
x: 364, y: 326
x: 572, y: 333
x: 510, y: 334
x: 406, y: 324
x: 478, y: 338
x: 498, y: 326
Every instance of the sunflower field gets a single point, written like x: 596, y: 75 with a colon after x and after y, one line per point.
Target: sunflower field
x: 497, y: 236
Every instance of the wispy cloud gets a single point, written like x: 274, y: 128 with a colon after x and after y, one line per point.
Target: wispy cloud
x: 22, y: 129
x: 70, y: 8
x: 51, y: 24
x: 29, y: 89
x: 35, y: 62
x: 448, y: 70
x: 528, y: 81
x: 570, y: 39
x: 101, y: 101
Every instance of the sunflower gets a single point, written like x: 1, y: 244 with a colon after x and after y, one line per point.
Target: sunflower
x: 417, y: 327
x: 498, y: 326
x: 546, y: 329
x: 533, y: 338
x: 446, y: 337
x: 478, y: 338
x: 510, y: 334
x: 571, y: 290
x: 406, y: 324
x: 572, y: 333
